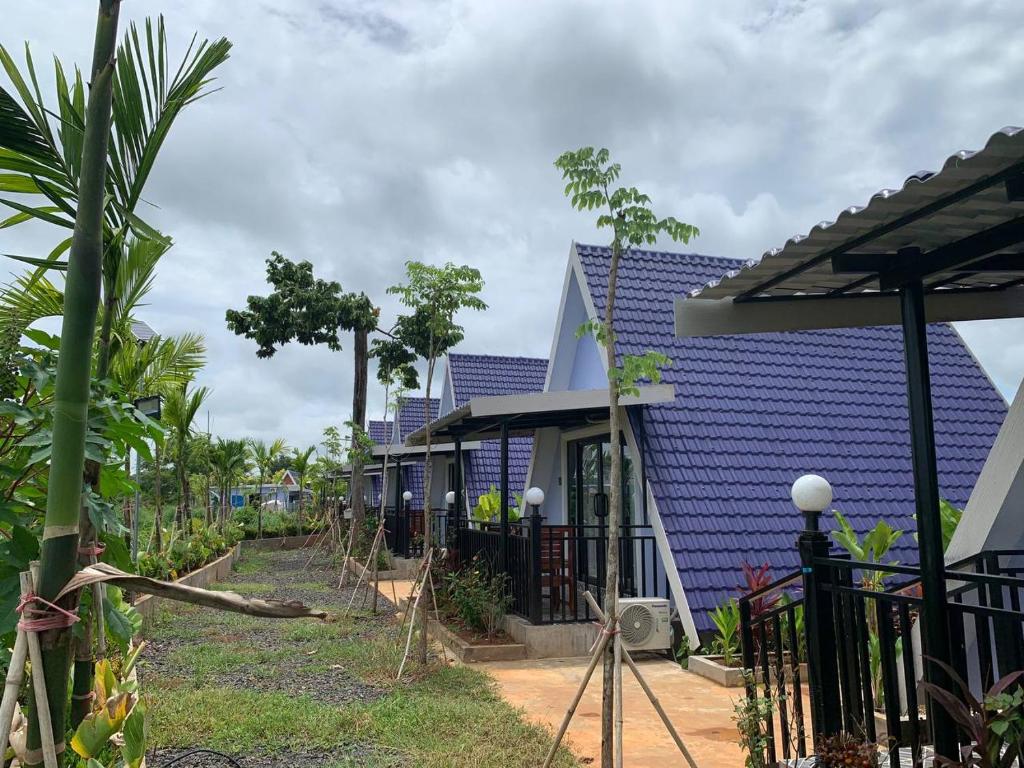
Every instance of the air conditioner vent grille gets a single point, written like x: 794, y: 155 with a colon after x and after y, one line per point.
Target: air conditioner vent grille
x: 636, y: 624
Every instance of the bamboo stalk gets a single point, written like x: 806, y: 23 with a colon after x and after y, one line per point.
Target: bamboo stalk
x: 35, y: 654
x: 412, y: 622
x: 348, y: 554
x: 12, y: 686
x: 416, y: 582
x: 655, y: 702
x: 598, y: 654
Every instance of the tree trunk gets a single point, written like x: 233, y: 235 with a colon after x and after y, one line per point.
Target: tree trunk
x: 183, y: 501
x: 209, y: 507
x: 361, y: 365
x: 74, y: 368
x: 611, y: 587
x: 428, y: 474
x: 259, y: 507
x: 126, y: 509
x: 158, y: 502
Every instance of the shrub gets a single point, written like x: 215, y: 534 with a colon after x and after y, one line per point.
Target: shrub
x: 726, y: 619
x: 477, y: 598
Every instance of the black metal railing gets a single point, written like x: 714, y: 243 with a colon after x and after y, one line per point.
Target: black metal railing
x: 403, y: 531
x: 551, y: 566
x: 856, y: 624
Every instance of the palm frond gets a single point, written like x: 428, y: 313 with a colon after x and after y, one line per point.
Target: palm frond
x: 147, y: 101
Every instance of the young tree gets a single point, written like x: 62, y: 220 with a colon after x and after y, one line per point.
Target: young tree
x: 301, y: 463
x: 627, y: 212
x: 311, y: 311
x: 396, y: 370
x: 435, y: 295
x: 263, y: 455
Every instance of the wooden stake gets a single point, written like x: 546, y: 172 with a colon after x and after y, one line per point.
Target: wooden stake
x: 412, y: 621
x: 646, y: 689
x: 433, y: 595
x: 35, y: 655
x: 599, y: 650
x: 12, y: 686
x: 417, y: 582
x: 348, y: 554
x: 372, y: 555
x: 617, y: 651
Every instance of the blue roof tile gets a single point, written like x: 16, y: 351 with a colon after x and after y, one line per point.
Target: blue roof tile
x: 484, y: 376
x: 411, y: 414
x: 379, y: 431
x: 752, y: 413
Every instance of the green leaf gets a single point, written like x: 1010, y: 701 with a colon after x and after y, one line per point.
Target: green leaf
x: 134, y: 733
x: 123, y: 622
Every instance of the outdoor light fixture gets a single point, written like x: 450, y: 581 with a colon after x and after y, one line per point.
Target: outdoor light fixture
x: 149, y: 406
x: 407, y: 496
x: 449, y: 498
x: 812, y: 495
x: 535, y: 496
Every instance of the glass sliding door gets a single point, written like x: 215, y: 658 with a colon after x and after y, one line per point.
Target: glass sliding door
x: 589, y: 483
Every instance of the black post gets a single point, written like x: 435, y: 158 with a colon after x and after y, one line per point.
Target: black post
x: 819, y: 627
x: 536, y: 531
x: 451, y: 525
x: 503, y: 544
x: 458, y: 478
x: 401, y: 528
x: 935, y: 615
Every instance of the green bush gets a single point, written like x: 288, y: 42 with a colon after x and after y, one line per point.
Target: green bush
x: 476, y: 598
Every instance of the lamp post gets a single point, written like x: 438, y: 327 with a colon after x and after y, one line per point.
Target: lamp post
x: 149, y: 407
x: 407, y: 524
x: 812, y: 495
x: 451, y: 522
x: 534, y: 498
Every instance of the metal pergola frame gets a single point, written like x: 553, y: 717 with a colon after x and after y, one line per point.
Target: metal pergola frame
x: 946, y: 246
x: 507, y: 416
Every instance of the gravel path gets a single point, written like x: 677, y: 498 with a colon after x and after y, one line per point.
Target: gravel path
x: 294, y: 670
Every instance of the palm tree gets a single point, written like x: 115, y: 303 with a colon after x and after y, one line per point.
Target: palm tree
x: 228, y: 458
x: 300, y: 463
x: 179, y: 413
x: 263, y: 456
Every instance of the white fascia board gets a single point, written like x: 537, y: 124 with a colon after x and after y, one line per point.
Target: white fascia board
x: 668, y: 562
x: 567, y: 400
x: 566, y: 282
x: 724, y: 317
x: 992, y: 517
x: 437, y: 449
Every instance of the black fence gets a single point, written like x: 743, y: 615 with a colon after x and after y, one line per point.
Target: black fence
x: 549, y: 567
x: 403, y: 531
x: 843, y: 636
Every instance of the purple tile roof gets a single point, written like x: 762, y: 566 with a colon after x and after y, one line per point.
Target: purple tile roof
x: 752, y: 413
x: 484, y: 376
x: 379, y: 431
x: 411, y: 417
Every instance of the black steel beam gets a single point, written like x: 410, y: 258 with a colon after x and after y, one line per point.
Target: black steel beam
x: 504, y: 497
x: 458, y: 478
x: 935, y: 614
x: 870, y: 236
x: 962, y: 253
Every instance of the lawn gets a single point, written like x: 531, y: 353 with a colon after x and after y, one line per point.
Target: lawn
x: 287, y: 693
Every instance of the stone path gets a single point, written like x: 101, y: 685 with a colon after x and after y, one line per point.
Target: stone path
x: 700, y: 710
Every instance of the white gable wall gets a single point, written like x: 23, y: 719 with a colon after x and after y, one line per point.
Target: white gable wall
x: 580, y: 364
x: 993, y: 517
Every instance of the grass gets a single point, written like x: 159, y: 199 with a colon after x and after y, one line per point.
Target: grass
x: 440, y: 717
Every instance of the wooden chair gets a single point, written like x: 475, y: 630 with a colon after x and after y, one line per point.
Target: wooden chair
x: 558, y: 564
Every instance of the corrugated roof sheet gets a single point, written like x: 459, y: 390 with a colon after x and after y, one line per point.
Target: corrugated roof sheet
x: 752, y: 413
x: 483, y: 376
x: 1003, y: 153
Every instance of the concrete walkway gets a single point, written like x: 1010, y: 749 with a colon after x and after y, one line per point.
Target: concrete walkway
x: 700, y: 710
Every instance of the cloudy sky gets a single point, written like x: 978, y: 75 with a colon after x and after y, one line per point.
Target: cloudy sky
x: 359, y: 135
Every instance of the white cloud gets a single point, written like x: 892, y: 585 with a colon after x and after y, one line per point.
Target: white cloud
x: 361, y: 134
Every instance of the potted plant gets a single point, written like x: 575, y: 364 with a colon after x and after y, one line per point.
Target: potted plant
x: 723, y: 665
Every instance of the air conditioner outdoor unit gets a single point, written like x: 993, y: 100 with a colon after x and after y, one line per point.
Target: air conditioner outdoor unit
x: 645, y: 623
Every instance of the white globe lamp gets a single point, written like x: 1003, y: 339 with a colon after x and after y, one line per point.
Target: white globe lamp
x: 535, y: 497
x: 812, y: 495
x: 449, y: 498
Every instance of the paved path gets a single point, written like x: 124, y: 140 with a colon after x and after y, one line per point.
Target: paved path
x: 700, y: 710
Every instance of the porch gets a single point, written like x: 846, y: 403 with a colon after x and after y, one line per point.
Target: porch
x: 557, y: 548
